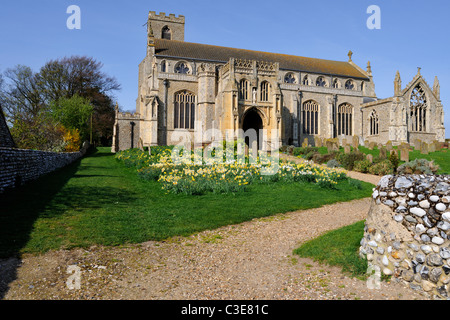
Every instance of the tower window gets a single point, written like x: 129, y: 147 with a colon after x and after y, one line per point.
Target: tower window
x: 166, y: 33
x: 349, y: 85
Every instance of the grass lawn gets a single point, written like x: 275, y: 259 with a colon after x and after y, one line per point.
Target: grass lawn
x: 98, y: 200
x: 339, y: 247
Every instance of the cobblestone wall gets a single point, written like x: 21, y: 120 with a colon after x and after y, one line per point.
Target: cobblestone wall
x: 18, y: 166
x: 407, y: 232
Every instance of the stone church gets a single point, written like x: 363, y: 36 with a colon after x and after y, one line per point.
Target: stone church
x: 187, y: 88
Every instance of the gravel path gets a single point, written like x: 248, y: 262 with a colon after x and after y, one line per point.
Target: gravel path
x: 251, y: 260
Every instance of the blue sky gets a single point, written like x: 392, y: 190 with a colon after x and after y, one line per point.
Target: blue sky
x: 413, y: 34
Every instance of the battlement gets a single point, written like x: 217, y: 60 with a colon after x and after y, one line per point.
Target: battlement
x: 162, y: 17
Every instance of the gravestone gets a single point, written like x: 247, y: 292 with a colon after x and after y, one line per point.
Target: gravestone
x: 347, y: 149
x: 432, y: 147
x: 424, y: 148
x: 404, y: 154
x: 417, y: 144
x: 141, y: 144
x: 318, y: 141
x: 343, y: 142
x: 383, y: 153
x: 372, y: 145
x: 305, y: 143
x: 366, y: 143
x: 389, y: 146
x: 355, y: 142
x: 369, y: 157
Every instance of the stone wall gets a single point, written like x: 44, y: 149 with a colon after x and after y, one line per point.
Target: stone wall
x: 407, y: 232
x: 18, y: 166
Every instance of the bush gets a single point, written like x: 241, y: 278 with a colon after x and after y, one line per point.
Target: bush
x: 333, y: 163
x: 418, y: 166
x: 362, y: 165
x: 324, y: 158
x: 381, y: 168
x: 347, y: 160
x: 393, y: 158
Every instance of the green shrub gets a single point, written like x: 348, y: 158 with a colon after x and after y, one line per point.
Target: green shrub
x: 418, y: 166
x: 324, y: 158
x: 347, y: 160
x: 362, y: 166
x: 393, y: 158
x: 381, y: 168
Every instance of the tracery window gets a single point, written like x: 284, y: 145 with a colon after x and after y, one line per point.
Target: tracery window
x: 264, y: 94
x: 289, y: 78
x: 321, y: 82
x: 336, y: 83
x: 182, y: 67
x: 243, y: 89
x: 418, y: 109
x: 166, y: 33
x: 344, y: 119
x: 310, y: 117
x: 184, y: 110
x: 305, y: 81
x: 373, y: 123
x: 350, y: 85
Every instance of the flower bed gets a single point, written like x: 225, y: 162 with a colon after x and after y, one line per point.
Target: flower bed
x: 198, y: 176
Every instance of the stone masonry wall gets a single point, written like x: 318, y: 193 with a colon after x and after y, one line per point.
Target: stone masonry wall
x: 407, y: 232
x: 18, y: 166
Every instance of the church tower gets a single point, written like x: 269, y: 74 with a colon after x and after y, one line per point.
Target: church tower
x: 166, y: 27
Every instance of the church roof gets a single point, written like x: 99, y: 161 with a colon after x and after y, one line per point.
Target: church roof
x: 204, y: 52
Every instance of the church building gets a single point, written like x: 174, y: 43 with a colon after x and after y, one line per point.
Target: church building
x: 187, y: 88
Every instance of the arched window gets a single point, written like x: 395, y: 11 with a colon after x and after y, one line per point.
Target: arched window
x: 166, y: 33
x: 310, y: 117
x: 336, y: 83
x: 163, y: 66
x: 182, y: 67
x: 418, y: 109
x: 184, y: 110
x: 373, y: 123
x: 321, y: 82
x: 305, y: 80
x: 350, y: 85
x: 264, y: 94
x: 344, y: 119
x: 289, y: 78
x: 243, y: 89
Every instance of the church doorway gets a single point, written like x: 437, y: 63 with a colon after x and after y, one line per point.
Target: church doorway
x: 252, y: 126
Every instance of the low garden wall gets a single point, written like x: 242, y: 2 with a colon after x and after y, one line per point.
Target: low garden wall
x: 407, y: 232
x: 18, y: 166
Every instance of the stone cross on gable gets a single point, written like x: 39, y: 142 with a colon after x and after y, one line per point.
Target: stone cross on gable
x: 350, y: 54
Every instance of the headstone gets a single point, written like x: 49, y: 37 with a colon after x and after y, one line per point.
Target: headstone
x: 372, y: 145
x: 305, y: 143
x: 424, y: 148
x: 141, y: 144
x: 347, y: 149
x: 389, y: 146
x: 417, y: 144
x: 355, y: 142
x: 404, y: 154
x: 383, y: 153
x: 343, y: 142
x: 366, y: 143
x: 370, y: 157
x: 432, y: 147
x: 318, y: 141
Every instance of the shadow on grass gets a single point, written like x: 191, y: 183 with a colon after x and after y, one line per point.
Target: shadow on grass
x: 47, y: 197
